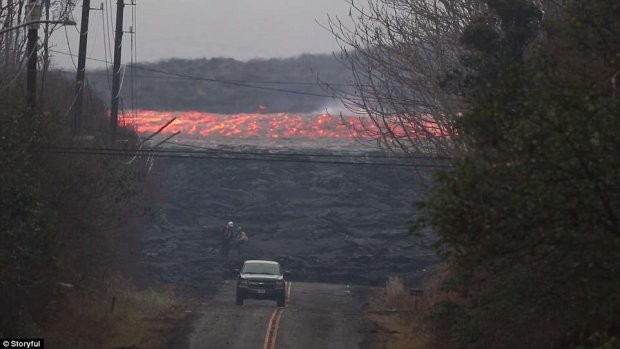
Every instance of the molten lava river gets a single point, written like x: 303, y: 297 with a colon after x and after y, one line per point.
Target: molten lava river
x: 277, y: 129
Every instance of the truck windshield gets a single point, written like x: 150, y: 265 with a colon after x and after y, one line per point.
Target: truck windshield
x: 260, y: 268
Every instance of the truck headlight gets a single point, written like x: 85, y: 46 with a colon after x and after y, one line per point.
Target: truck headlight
x: 280, y: 283
x: 243, y: 283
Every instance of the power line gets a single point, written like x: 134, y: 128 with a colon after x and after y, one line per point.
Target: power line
x: 265, y: 82
x: 235, y: 83
x: 247, y: 84
x: 69, y: 47
x: 333, y: 155
x: 160, y: 153
x: 210, y: 151
x: 106, y: 43
x: 133, y: 60
x: 190, y: 77
x: 221, y: 81
x: 338, y: 154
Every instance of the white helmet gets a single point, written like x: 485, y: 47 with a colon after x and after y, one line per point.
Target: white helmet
x: 230, y: 224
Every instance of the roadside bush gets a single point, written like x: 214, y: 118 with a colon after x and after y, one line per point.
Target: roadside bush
x: 396, y: 294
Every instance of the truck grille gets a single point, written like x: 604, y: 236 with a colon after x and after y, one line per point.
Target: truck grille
x: 262, y: 284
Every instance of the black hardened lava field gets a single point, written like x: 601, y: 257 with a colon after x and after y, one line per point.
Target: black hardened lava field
x: 322, y: 221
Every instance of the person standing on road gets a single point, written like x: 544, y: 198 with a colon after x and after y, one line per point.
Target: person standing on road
x: 240, y: 239
x: 227, y: 237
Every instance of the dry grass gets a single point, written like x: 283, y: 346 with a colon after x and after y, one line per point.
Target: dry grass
x: 116, y: 317
x: 400, y: 318
x: 143, y: 318
x: 393, y: 332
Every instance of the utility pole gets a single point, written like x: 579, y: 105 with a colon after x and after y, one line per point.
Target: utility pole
x: 46, y: 45
x: 9, y: 36
x: 116, y: 70
x: 81, y: 69
x: 31, y: 50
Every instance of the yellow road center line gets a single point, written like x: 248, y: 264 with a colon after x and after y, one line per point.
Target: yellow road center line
x: 269, y: 325
x: 288, y: 291
x: 274, y: 323
x: 272, y: 329
x: 275, y: 330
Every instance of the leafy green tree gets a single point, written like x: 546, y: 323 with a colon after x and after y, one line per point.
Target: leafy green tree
x: 528, y: 218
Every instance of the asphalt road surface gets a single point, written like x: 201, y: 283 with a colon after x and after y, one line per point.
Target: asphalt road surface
x: 316, y: 316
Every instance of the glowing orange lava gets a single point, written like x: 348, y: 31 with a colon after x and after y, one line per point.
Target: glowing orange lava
x: 270, y: 126
x: 274, y: 128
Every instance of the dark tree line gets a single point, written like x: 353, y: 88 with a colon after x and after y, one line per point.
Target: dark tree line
x: 64, y: 218
x: 528, y: 218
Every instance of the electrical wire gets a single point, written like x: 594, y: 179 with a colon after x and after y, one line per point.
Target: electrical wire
x: 242, y: 83
x: 134, y: 59
x: 106, y: 44
x: 93, y: 43
x: 236, y: 83
x: 111, y: 32
x: 229, y: 82
x: 264, y: 82
x: 161, y: 153
x: 319, y: 155
x: 69, y: 47
x: 338, y: 154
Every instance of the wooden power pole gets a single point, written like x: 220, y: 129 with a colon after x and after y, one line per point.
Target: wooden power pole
x: 116, y: 70
x: 34, y: 9
x: 81, y: 70
x: 9, y: 61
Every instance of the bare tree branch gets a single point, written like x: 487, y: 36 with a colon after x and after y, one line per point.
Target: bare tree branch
x: 399, y: 53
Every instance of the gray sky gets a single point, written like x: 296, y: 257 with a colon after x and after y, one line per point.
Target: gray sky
x: 241, y: 29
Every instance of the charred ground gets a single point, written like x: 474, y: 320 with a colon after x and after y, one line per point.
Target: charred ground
x: 325, y: 222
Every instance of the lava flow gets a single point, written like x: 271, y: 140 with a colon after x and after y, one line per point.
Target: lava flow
x: 244, y: 126
x: 277, y: 128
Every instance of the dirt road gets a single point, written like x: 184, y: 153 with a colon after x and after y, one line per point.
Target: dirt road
x: 316, y: 316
